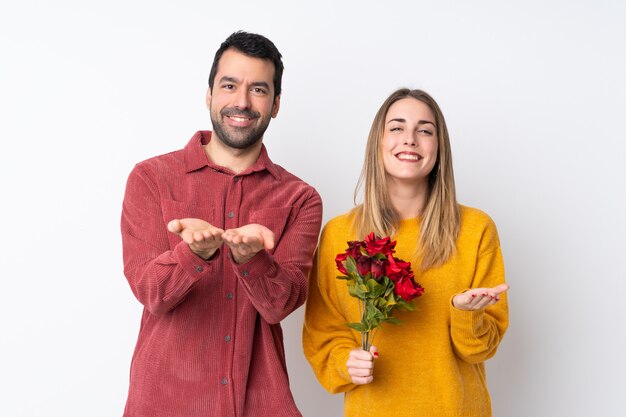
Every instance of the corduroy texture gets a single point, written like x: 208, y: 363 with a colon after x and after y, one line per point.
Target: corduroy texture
x: 432, y: 363
x: 210, y: 342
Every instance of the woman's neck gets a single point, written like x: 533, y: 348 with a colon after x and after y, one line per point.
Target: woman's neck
x: 408, y: 199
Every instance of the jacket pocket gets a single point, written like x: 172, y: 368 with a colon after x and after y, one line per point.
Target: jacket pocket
x: 173, y: 209
x: 274, y: 219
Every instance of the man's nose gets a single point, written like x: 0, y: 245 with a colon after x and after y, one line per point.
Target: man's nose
x: 242, y: 99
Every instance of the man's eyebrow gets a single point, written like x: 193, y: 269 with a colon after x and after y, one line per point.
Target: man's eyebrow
x: 228, y: 79
x: 260, y: 84
x: 236, y: 81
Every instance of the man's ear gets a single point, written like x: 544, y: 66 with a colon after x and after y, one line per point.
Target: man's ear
x: 276, y: 106
x: 208, y: 98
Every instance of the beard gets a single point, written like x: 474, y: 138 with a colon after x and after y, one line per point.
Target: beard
x: 236, y: 137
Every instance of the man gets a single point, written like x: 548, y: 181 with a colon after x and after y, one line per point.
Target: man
x: 218, y: 243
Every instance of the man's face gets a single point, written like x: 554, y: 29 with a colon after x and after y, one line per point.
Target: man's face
x: 242, y: 100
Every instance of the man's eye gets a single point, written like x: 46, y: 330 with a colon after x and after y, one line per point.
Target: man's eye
x: 228, y: 86
x: 258, y: 90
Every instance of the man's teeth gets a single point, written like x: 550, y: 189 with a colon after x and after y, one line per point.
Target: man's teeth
x: 239, y: 119
x: 409, y: 157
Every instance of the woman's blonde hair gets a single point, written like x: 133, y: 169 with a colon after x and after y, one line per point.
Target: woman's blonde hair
x: 440, y: 219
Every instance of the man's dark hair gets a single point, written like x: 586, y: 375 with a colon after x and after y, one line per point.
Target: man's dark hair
x: 253, y: 45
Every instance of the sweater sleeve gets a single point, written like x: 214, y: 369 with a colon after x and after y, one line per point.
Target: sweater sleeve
x: 477, y: 334
x: 327, y: 341
x: 159, y: 276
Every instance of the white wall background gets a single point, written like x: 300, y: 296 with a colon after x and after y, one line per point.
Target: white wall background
x: 534, y: 93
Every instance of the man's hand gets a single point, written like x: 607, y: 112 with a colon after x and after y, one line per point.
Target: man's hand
x: 360, y: 365
x: 246, y: 241
x: 478, y: 298
x: 203, y: 238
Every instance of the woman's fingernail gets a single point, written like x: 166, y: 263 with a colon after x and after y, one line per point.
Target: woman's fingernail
x: 375, y: 354
x: 473, y: 295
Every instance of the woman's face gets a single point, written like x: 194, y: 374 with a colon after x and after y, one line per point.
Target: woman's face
x: 410, y: 144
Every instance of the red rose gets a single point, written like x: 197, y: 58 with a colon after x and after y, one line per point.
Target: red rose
x: 378, y: 267
x: 397, y: 268
x: 339, y: 260
x: 374, y: 245
x: 354, y: 249
x: 407, y: 288
x: 363, y: 265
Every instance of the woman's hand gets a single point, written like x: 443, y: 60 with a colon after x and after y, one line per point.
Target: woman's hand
x: 478, y: 298
x: 360, y: 365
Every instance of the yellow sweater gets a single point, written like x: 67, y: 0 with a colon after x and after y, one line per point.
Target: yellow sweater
x: 432, y: 364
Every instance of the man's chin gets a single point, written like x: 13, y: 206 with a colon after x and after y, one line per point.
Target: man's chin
x: 239, y: 137
x: 236, y: 142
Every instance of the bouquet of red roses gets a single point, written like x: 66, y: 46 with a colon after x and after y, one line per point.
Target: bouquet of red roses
x: 379, y: 280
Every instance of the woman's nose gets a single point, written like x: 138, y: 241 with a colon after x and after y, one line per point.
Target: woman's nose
x: 410, y: 139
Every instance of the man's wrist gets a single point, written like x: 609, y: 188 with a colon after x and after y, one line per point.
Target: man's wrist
x: 208, y: 255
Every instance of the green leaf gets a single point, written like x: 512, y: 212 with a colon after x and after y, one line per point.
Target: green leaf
x: 405, y: 305
x: 359, y: 327
x: 372, y: 312
x: 391, y: 300
x: 353, y: 290
x: 389, y: 285
x: 356, y: 290
x: 351, y: 266
x: 376, y: 289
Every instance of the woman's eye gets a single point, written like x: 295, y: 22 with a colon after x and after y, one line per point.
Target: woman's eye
x: 395, y: 129
x: 425, y: 132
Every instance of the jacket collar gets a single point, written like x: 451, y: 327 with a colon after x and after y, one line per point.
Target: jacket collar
x: 196, y: 158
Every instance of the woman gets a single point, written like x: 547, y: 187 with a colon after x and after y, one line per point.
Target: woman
x: 432, y: 363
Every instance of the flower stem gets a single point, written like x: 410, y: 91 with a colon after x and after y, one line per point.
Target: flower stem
x: 364, y: 335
